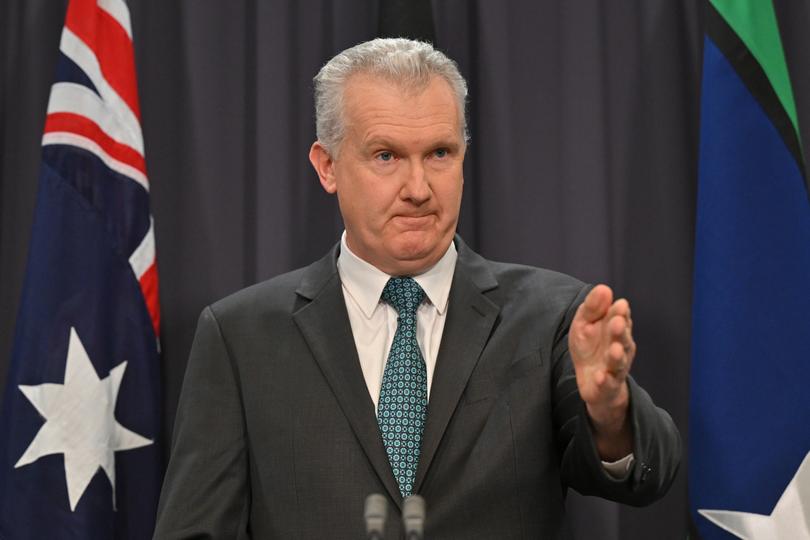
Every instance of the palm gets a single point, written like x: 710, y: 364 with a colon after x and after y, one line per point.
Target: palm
x: 601, y: 347
x: 588, y: 349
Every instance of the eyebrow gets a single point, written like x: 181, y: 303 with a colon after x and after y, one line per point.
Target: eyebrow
x: 439, y: 142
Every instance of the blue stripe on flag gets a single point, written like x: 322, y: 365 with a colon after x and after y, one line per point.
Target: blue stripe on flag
x: 122, y: 201
x: 68, y: 71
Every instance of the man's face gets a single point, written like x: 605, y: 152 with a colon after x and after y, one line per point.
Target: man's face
x: 398, y: 175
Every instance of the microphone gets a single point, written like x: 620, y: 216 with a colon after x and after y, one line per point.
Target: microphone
x: 413, y: 517
x: 374, y: 513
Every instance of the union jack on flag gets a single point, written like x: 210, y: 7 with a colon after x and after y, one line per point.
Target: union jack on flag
x: 80, y: 424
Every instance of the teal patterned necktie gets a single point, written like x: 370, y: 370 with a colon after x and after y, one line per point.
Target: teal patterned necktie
x: 403, y: 396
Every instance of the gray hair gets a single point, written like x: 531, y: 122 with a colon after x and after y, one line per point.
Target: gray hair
x: 406, y: 62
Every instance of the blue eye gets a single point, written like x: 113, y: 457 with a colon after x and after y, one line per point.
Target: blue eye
x: 440, y: 153
x: 385, y: 156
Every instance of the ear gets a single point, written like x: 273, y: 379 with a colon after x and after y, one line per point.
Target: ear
x: 324, y: 165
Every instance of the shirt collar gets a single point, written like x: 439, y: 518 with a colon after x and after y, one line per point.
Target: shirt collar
x: 365, y: 282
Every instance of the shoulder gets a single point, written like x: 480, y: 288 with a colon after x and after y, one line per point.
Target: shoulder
x: 535, y: 305
x: 531, y: 278
x: 537, y: 294
x: 276, y: 298
x: 506, y: 283
x: 275, y: 293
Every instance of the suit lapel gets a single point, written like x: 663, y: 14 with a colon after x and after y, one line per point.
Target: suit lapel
x: 324, y: 323
x: 325, y: 326
x: 470, y: 318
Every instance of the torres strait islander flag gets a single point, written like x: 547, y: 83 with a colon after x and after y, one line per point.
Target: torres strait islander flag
x: 79, y: 452
x: 750, y: 403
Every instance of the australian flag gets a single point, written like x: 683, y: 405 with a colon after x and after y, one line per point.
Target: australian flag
x: 749, y: 471
x: 79, y: 448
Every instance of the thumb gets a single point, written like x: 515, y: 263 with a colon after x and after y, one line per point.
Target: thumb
x: 596, y: 304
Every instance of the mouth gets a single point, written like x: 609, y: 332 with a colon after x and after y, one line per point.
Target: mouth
x: 414, y: 221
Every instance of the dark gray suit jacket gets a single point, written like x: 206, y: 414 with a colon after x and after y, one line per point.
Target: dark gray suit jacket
x: 276, y: 434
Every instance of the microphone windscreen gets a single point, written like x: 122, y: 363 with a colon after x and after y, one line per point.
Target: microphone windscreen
x: 375, y: 513
x: 413, y: 516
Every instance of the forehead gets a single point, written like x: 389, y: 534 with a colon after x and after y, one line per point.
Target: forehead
x: 375, y: 106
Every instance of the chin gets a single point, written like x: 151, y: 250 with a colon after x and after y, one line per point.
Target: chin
x: 412, y: 246
x: 415, y: 254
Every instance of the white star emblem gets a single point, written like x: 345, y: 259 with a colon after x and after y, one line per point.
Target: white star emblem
x: 80, y: 421
x: 790, y: 517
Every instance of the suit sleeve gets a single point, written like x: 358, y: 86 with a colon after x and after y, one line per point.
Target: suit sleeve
x: 206, y: 492
x: 656, y: 441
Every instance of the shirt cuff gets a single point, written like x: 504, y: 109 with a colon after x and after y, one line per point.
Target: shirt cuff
x: 618, y: 469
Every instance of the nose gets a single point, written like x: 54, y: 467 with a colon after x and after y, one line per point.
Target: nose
x: 416, y: 187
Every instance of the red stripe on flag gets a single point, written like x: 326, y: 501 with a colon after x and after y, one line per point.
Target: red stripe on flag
x: 111, y: 44
x: 149, y: 287
x: 81, y: 125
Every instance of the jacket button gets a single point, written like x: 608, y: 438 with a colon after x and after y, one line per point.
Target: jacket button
x: 645, y: 472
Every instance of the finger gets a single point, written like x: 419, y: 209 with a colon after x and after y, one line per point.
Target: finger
x: 629, y: 353
x: 596, y: 304
x: 599, y: 377
x: 620, y: 307
x: 617, y: 327
x: 607, y: 383
x: 619, y: 330
x: 617, y: 364
x: 629, y: 343
x: 615, y: 355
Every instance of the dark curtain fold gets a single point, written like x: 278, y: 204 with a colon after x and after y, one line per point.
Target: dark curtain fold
x: 584, y: 123
x: 583, y: 159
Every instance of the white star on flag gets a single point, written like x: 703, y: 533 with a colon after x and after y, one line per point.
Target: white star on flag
x: 790, y: 517
x: 80, y: 421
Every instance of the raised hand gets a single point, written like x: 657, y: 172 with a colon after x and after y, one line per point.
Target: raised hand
x: 602, y: 349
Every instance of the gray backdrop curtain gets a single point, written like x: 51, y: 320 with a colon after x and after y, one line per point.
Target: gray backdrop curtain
x: 584, y: 121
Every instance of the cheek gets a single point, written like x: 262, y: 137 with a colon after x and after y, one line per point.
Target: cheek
x: 448, y: 193
x: 366, y: 205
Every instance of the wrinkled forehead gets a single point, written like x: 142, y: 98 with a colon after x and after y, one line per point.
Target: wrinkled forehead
x: 367, y: 94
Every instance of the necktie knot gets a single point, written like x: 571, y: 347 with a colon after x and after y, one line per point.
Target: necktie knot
x: 404, y: 294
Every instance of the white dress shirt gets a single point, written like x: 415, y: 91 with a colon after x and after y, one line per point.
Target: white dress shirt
x: 374, y: 322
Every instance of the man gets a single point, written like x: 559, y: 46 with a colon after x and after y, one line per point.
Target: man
x: 403, y: 362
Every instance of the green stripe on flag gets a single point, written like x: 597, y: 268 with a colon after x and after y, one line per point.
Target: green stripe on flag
x: 754, y: 21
